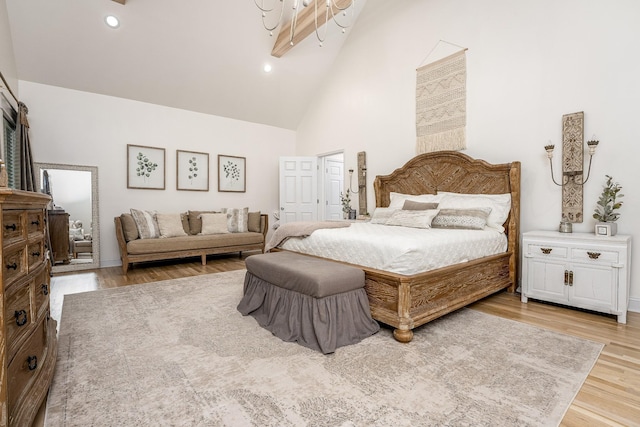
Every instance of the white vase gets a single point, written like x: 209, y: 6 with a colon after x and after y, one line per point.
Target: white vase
x: 606, y: 229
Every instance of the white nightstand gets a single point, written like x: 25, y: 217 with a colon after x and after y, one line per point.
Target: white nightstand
x: 577, y: 269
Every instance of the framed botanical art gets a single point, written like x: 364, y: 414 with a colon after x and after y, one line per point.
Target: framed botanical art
x: 192, y: 171
x: 232, y: 173
x: 145, y: 167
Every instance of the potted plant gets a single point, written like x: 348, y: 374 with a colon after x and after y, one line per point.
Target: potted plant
x: 345, y: 199
x: 606, y: 207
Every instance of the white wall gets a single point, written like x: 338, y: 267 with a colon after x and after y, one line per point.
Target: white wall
x: 528, y: 63
x: 81, y: 128
x: 7, y: 58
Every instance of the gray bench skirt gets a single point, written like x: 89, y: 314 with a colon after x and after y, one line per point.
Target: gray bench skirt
x: 320, y: 322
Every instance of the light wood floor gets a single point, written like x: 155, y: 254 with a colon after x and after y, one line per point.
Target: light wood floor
x: 609, y: 397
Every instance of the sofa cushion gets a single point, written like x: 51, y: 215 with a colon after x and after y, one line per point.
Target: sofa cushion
x: 129, y: 227
x: 237, y: 219
x: 195, y: 223
x: 170, y: 225
x: 146, y: 224
x: 213, y: 223
x: 253, y: 223
x: 146, y: 246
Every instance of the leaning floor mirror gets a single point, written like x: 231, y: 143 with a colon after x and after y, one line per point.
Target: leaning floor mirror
x: 74, y: 228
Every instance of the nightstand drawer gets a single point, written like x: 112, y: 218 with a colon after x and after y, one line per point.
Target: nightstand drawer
x: 538, y: 250
x: 594, y: 255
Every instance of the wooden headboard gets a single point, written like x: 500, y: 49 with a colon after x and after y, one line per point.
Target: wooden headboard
x: 456, y: 172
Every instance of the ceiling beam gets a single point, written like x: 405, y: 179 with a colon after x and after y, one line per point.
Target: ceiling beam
x: 306, y: 25
x: 120, y: 1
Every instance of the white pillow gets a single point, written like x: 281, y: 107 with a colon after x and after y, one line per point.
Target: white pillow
x: 237, y: 219
x: 500, y: 205
x: 170, y: 225
x: 415, y: 219
x: 213, y: 223
x: 146, y: 224
x: 381, y: 215
x: 396, y: 200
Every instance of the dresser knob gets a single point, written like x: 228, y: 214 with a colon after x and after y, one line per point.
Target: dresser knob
x: 21, y: 317
x: 45, y: 289
x: 13, y: 266
x: 36, y: 222
x: 36, y: 253
x: 10, y: 227
x: 32, y: 362
x: 546, y: 251
x: 593, y: 255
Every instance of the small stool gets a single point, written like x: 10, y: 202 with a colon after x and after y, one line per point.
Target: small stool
x: 317, y: 303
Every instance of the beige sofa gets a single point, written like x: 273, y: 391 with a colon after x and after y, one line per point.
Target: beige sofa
x: 134, y: 249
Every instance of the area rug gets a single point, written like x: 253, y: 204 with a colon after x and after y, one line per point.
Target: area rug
x: 178, y: 353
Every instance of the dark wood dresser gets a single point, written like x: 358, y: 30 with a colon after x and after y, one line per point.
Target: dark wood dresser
x: 59, y: 234
x: 28, y: 343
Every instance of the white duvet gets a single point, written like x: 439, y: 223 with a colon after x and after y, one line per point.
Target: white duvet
x: 401, y: 250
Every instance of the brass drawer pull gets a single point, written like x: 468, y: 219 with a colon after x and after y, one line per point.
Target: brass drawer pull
x: 45, y: 289
x: 32, y: 362
x: 566, y: 277
x: 546, y: 251
x: 13, y: 266
x: 593, y: 255
x: 10, y: 227
x: 21, y: 317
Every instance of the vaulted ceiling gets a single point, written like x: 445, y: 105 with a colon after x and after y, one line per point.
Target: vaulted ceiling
x: 199, y: 55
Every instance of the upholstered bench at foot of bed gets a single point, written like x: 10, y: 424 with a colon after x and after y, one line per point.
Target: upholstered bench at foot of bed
x: 317, y: 303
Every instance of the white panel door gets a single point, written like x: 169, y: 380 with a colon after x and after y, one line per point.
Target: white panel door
x: 333, y: 185
x: 298, y: 189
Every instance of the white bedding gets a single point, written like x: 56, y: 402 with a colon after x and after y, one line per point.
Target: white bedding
x: 400, y: 250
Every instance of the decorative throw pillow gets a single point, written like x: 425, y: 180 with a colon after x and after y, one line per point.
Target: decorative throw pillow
x: 195, y: 224
x: 381, y: 215
x: 500, y: 205
x: 146, y: 224
x: 414, y: 219
x: 170, y: 225
x: 412, y: 205
x: 237, y: 219
x: 76, y: 233
x: 467, y: 219
x: 253, y: 223
x: 398, y: 199
x: 129, y: 227
x: 213, y: 223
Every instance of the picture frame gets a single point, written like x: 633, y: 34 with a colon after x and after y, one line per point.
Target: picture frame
x: 192, y: 170
x: 145, y: 167
x: 232, y: 174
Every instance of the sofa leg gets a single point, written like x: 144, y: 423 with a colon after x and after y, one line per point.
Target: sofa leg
x: 204, y: 259
x: 125, y: 267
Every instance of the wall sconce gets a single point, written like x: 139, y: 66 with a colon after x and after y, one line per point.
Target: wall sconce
x: 363, y: 171
x: 570, y: 175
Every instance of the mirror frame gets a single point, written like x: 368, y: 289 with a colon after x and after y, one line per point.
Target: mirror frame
x: 95, y: 228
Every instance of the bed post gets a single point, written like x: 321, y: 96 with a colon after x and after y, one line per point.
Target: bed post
x: 514, y: 226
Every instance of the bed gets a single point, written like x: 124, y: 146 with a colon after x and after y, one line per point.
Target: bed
x: 407, y: 301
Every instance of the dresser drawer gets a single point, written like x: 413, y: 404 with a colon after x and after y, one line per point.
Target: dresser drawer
x: 35, y: 254
x: 17, y: 316
x: 26, y: 364
x: 41, y: 292
x: 544, y: 250
x: 13, y: 265
x: 594, y: 255
x: 35, y: 222
x: 11, y: 227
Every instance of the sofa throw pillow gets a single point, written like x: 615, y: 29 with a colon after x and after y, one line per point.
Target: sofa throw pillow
x: 146, y: 224
x: 184, y: 217
x: 412, y: 205
x: 466, y: 219
x: 195, y: 223
x: 237, y: 219
x: 129, y: 227
x: 213, y: 223
x: 414, y: 219
x: 170, y: 225
x: 76, y: 233
x: 253, y: 223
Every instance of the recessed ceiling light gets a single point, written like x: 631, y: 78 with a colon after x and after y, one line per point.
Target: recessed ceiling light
x: 112, y: 21
x: 267, y: 68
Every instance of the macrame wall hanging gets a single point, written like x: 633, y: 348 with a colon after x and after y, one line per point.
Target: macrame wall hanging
x: 441, y: 103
